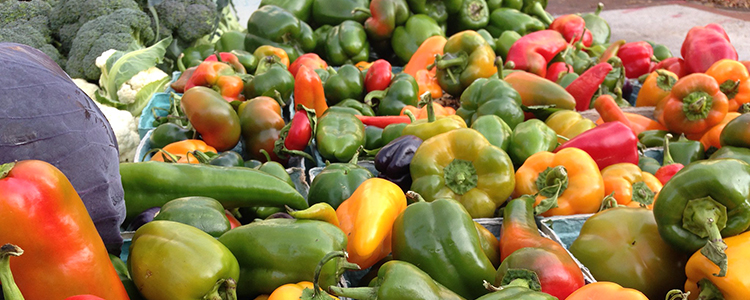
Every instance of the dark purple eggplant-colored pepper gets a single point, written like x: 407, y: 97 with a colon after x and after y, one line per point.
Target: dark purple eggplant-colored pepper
x: 143, y: 218
x: 392, y: 161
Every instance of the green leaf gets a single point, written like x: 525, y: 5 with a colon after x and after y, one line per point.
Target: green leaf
x: 132, y: 63
x: 144, y: 95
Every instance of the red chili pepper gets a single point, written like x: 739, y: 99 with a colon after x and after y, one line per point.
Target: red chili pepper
x: 311, y: 60
x: 532, y: 51
x: 672, y: 64
x: 229, y: 58
x: 297, y: 134
x: 556, y: 69
x: 608, y: 144
x: 309, y: 92
x: 669, y: 167
x: 219, y: 76
x: 383, y: 121
x: 636, y: 58
x: 703, y: 46
x: 233, y: 222
x: 585, y: 86
x: 378, y: 76
x: 571, y: 27
x: 85, y: 297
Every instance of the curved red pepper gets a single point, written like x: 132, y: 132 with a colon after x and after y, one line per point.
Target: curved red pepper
x: 532, y: 51
x: 297, y: 134
x: 229, y: 58
x: 608, y: 144
x: 556, y: 69
x: 571, y: 27
x: 378, y: 76
x: 311, y: 60
x: 219, y: 76
x: 705, y: 45
x: 636, y: 58
x: 383, y: 121
x: 671, y: 64
x: 84, y: 297
x: 669, y: 167
x: 585, y: 86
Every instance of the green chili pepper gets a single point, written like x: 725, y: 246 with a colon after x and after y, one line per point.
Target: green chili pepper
x: 203, y: 213
x: 504, y: 19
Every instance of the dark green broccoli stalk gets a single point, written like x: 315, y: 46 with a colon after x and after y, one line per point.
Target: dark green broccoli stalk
x: 27, y: 22
x: 68, y: 16
x: 121, y: 30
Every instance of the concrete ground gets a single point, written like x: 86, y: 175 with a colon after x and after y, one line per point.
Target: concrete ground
x: 661, y: 21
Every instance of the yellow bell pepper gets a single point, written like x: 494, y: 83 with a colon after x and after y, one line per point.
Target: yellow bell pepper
x: 568, y: 123
x: 735, y: 285
x: 631, y: 186
x: 606, y: 290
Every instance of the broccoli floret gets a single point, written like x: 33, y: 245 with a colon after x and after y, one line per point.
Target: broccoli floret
x: 120, y: 30
x: 26, y: 22
x: 186, y: 20
x: 68, y: 16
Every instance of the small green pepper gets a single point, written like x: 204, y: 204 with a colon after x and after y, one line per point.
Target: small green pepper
x: 686, y: 151
x: 530, y: 137
x: 491, y: 96
x: 566, y: 79
x: 740, y: 153
x: 346, y: 83
x: 504, y: 19
x: 392, y: 132
x: 494, y: 129
x: 227, y: 159
x: 408, y: 37
x: 402, y: 91
x: 270, y: 77
x: 339, y: 136
x: 363, y: 108
x: 337, y: 182
x: 168, y: 133
x: 230, y: 40
x: 648, y: 164
x: 654, y: 138
x: 347, y: 43
x: 193, y: 56
x: 373, y: 137
x: 203, y: 213
x: 505, y: 41
x: 473, y: 15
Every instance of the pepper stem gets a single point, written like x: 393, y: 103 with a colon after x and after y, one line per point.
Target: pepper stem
x: 744, y: 108
x: 709, y: 291
x: 362, y: 293
x: 379, y: 94
x: 265, y: 153
x: 460, y: 176
x: 609, y: 201
x: 355, y: 158
x: 427, y: 101
x: 362, y: 10
x: 500, y: 67
x: 696, y: 105
x: 705, y: 217
x: 667, y: 160
x: 551, y: 183
x: 5, y: 169
x: 414, y: 196
x: 642, y: 194
x: 10, y: 289
x: 730, y: 88
x: 537, y: 10
x: 229, y: 291
x: 677, y: 295
x: 521, y: 277
x: 323, y: 261
x: 410, y: 115
x: 664, y: 81
x: 599, y: 8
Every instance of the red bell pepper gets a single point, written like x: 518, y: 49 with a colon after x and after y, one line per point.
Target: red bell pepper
x: 64, y: 255
x: 85, y: 297
x: 669, y: 166
x: 585, y: 86
x: 533, y: 51
x: 557, y: 69
x: 378, y: 76
x: 383, y: 121
x: 219, y: 76
x: 558, y: 273
x: 636, y: 58
x: 571, y: 27
x: 705, y: 45
x: 297, y: 134
x: 385, y: 15
x: 229, y: 58
x: 675, y: 65
x: 608, y: 144
x: 311, y: 60
x: 308, y: 91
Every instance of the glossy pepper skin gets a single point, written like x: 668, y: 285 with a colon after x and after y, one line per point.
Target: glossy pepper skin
x: 212, y: 117
x: 161, y: 249
x: 400, y: 280
x: 274, y: 252
x: 439, y: 237
x: 636, y: 58
x: 685, y: 151
x: 734, y: 286
x: 587, y: 84
x: 569, y: 124
x: 533, y: 51
x: 339, y: 135
x: 385, y: 15
x: 217, y: 75
x: 504, y: 42
x: 631, y: 186
x: 345, y: 10
x: 347, y: 43
x: 308, y: 91
x: 610, y: 290
x: 656, y: 87
x: 270, y: 77
x: 367, y: 217
x: 203, y: 213
x: 473, y: 15
x: 261, y: 122
x: 420, y: 60
x: 572, y: 28
x: 548, y: 265
x: 583, y: 192
x: 598, y: 26
x: 700, y: 205
x: 296, y: 135
x: 182, y: 151
x: 394, y: 159
x: 694, y: 105
x: 528, y: 138
x: 736, y: 132
x: 491, y: 96
x: 436, y: 10
x: 37, y: 200
x: 536, y: 90
x: 149, y: 184
x: 168, y: 133
x: 494, y: 129
x: 401, y: 92
x: 734, y: 81
x: 378, y: 76
x: 705, y: 45
x: 432, y: 125
x: 467, y: 57
x: 519, y: 231
x: 607, y: 144
x: 311, y: 60
x: 336, y: 183
x: 510, y: 19
x: 409, y: 37
x: 346, y: 83
x: 272, y: 25
x: 453, y: 164
x: 739, y: 153
x: 622, y: 245
x: 299, y: 8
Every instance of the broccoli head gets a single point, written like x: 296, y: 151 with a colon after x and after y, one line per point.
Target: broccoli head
x: 68, y: 16
x: 28, y: 35
x: 26, y: 22
x: 187, y: 20
x: 120, y: 30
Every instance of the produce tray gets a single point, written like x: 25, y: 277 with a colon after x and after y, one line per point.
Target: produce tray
x: 566, y: 228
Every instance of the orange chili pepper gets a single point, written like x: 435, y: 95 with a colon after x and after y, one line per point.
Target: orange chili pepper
x: 711, y: 137
x: 656, y: 87
x: 363, y: 65
x: 734, y: 81
x: 367, y: 218
x: 584, y: 191
x: 421, y: 113
x: 268, y: 50
x: 606, y: 290
x: 608, y: 109
x: 631, y: 186
x: 694, y: 105
x: 427, y: 82
x: 639, y: 123
x: 291, y: 291
x: 423, y: 57
x: 308, y: 91
x: 181, y: 150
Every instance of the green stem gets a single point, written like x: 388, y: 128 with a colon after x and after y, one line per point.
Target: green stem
x: 667, y: 160
x: 608, y: 202
x: 355, y: 158
x: 323, y: 261
x: 362, y: 10
x: 642, y: 194
x: 411, y: 116
x: 537, y: 10
x: 697, y: 105
x: 361, y: 293
x: 180, y: 64
x: 376, y: 95
x: 705, y: 217
x: 414, y: 196
x: 730, y: 88
x: 521, y: 277
x: 677, y: 295
x: 265, y: 153
x: 10, y: 289
x: 428, y: 102
x: 664, y: 81
x: 499, y: 66
x: 744, y: 108
x: 229, y: 291
x: 5, y: 169
x: 599, y: 8
x: 709, y: 291
x: 277, y: 97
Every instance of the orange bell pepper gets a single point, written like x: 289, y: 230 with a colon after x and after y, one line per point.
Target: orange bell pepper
x: 583, y: 192
x: 735, y: 285
x: 694, y: 105
x: 656, y: 87
x: 606, y: 290
x: 292, y: 291
x: 631, y: 186
x: 181, y: 150
x: 309, y: 92
x: 421, y: 59
x: 421, y: 113
x: 220, y: 76
x: 367, y: 218
x: 734, y: 81
x: 711, y: 137
x: 268, y: 50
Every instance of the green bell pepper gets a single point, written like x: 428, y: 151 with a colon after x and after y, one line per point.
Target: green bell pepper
x: 740, y: 153
x: 274, y: 252
x: 336, y: 183
x: 361, y: 107
x: 320, y: 34
x: 441, y: 239
x: 530, y: 137
x: 339, y: 136
x: 654, y: 138
x: 227, y: 159
x: 622, y: 245
x: 373, y: 137
x: 648, y: 164
x: 473, y: 15
x: 494, y: 129
x: 491, y: 96
x: 230, y: 40
x: 270, y: 77
x: 600, y: 30
x: 467, y: 57
x: 334, y: 12
x: 505, y: 41
x: 702, y: 203
x: 161, y: 249
x: 276, y: 169
x: 402, y: 91
x: 661, y: 52
x: 247, y: 59
x: 736, y: 133
x: 342, y: 109
x: 407, y: 38
x: 194, y: 56
x: 168, y: 133
x: 518, y: 284
x: 488, y: 38
x: 495, y: 4
x: 504, y: 19
x: 203, y: 213
x: 346, y: 83
x: 686, y: 151
x: 399, y: 280
x: 302, y: 9
x: 272, y: 25
x: 438, y: 10
x: 347, y: 43
x: 535, y: 8
x: 565, y: 80
x: 122, y: 271
x: 392, y: 132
